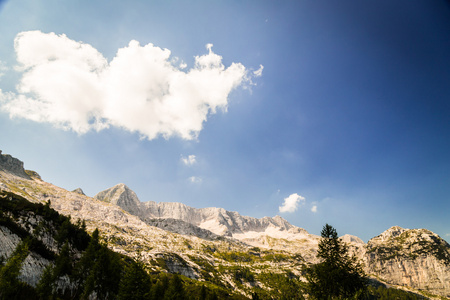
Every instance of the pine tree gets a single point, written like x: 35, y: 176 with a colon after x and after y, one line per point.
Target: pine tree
x: 337, y: 275
x: 63, y: 266
x: 135, y: 282
x: 176, y: 289
x: 10, y: 285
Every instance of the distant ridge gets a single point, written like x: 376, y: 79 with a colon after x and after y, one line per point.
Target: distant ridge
x: 216, y: 220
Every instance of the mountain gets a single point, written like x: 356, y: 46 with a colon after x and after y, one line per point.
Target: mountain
x: 230, y: 252
x: 417, y: 258
x: 216, y: 220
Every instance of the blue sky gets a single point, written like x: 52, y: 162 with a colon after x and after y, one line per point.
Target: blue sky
x: 318, y: 111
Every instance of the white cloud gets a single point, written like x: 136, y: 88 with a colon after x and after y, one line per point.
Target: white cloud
x: 195, y: 179
x: 258, y: 73
x: 291, y: 203
x: 314, y: 208
x: 3, y: 69
x: 71, y: 85
x: 189, y: 161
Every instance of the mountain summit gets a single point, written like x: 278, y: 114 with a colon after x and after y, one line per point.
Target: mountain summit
x: 121, y: 195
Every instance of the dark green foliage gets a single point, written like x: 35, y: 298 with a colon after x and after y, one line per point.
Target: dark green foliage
x: 175, y: 290
x: 242, y: 274
x: 46, y: 287
x: 135, y: 283
x: 384, y: 293
x: 337, y: 275
x: 10, y: 286
x: 99, y: 270
x: 282, y: 286
x: 159, y: 288
x: 235, y: 256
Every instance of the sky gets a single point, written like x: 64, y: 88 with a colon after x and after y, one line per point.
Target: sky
x: 321, y: 112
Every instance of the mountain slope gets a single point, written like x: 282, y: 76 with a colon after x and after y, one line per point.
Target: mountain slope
x: 223, y: 248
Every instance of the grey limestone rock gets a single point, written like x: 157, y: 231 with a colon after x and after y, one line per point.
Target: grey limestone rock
x: 79, y: 191
x: 12, y: 165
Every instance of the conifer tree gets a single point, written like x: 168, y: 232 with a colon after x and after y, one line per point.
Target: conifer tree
x: 175, y: 290
x: 10, y: 285
x: 135, y: 282
x: 338, y: 275
x: 63, y: 266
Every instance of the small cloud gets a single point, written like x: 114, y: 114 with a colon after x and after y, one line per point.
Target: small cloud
x: 195, y: 179
x: 314, y: 208
x: 291, y: 203
x: 258, y: 73
x: 209, y: 47
x: 3, y: 68
x: 188, y: 161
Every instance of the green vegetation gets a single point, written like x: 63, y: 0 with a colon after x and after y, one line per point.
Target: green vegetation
x: 384, y: 293
x: 399, y: 247
x: 279, y: 286
x: 338, y: 275
x: 10, y: 286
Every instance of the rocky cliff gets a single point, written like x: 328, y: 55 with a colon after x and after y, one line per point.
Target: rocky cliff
x: 12, y: 165
x: 416, y: 258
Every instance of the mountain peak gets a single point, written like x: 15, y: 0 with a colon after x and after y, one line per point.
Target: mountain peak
x: 79, y: 191
x: 121, y: 195
x: 390, y: 233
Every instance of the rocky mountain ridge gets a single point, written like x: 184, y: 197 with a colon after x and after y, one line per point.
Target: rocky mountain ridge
x: 184, y: 242
x: 216, y: 220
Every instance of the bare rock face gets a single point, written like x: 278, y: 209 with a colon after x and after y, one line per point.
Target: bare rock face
x: 79, y: 191
x: 12, y: 165
x: 348, y: 238
x: 181, y: 227
x: 417, y: 258
x: 122, y: 196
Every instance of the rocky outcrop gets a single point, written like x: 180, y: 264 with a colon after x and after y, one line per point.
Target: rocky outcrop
x: 174, y: 263
x: 12, y: 165
x: 181, y: 227
x: 416, y: 258
x: 122, y: 196
x: 348, y: 238
x: 79, y: 191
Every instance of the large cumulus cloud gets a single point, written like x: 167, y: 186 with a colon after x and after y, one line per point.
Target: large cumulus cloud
x: 71, y: 85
